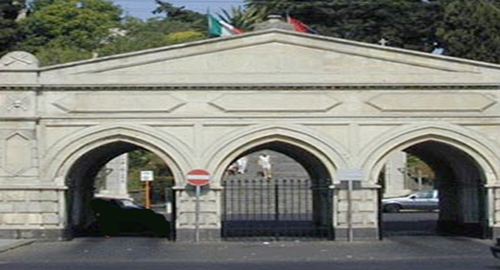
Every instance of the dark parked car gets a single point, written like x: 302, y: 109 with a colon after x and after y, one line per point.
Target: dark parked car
x: 427, y: 200
x: 123, y: 215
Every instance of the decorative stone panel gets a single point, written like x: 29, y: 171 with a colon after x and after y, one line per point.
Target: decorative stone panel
x: 18, y: 60
x: 17, y: 104
x: 118, y: 103
x: 431, y: 102
x: 260, y: 102
x: 18, y: 153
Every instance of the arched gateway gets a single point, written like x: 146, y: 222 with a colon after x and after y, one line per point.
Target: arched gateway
x: 331, y: 105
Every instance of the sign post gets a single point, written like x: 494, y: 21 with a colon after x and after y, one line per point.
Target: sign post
x: 147, y: 177
x: 198, y: 178
x: 352, y: 179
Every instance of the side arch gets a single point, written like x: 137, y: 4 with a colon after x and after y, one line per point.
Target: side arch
x: 472, y: 143
x: 464, y: 163
x: 329, y: 152
x: 66, y: 152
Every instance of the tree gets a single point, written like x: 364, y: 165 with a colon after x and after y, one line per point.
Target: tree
x: 59, y: 31
x: 407, y: 24
x: 140, y: 160
x: 245, y: 18
x: 151, y: 34
x: 9, y: 32
x: 55, y: 55
x: 178, y: 26
x: 180, y: 14
x: 68, y: 25
x: 470, y: 29
x: 466, y: 29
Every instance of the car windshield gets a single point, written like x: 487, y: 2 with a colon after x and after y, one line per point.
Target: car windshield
x: 128, y: 203
x: 428, y: 194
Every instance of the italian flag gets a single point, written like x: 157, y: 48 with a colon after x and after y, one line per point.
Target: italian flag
x: 220, y: 28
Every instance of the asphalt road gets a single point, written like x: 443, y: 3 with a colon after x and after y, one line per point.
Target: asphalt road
x: 123, y: 253
x: 407, y: 265
x: 410, y: 223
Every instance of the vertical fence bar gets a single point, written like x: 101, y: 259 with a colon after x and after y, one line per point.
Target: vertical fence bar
x: 276, y: 202
x: 224, y: 209
x: 292, y: 192
x: 285, y: 207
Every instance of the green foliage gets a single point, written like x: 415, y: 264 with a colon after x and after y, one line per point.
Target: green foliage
x: 40, y: 4
x: 407, y: 24
x: 9, y: 32
x: 245, y: 18
x: 180, y: 14
x: 74, y: 24
x: 151, y: 34
x: 68, y: 30
x: 143, y: 160
x: 54, y: 55
x: 184, y: 36
x: 415, y: 164
x: 471, y: 29
x: 59, y: 31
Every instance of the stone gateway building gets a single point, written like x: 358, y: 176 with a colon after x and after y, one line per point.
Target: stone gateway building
x: 338, y: 107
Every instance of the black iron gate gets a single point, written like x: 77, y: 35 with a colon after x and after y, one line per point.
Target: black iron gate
x: 276, y: 210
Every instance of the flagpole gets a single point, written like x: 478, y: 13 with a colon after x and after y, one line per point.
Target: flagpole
x: 208, y: 21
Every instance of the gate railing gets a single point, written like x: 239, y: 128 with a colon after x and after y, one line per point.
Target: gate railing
x: 277, y: 209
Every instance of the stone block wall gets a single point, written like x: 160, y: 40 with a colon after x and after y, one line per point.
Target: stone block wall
x: 364, y: 214
x: 495, y: 199
x: 31, y: 213
x: 209, y: 217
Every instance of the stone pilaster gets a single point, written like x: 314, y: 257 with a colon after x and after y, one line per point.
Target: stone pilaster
x: 364, y: 214
x: 209, y: 216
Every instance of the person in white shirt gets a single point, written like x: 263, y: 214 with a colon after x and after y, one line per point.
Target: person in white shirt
x: 242, y: 164
x: 265, y: 165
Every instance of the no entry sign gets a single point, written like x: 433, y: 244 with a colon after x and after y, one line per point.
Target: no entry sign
x: 198, y: 178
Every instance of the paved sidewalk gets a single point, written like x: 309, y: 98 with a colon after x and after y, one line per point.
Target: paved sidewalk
x: 8, y: 244
x: 160, y: 250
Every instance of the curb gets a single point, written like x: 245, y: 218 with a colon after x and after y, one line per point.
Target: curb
x: 14, y: 244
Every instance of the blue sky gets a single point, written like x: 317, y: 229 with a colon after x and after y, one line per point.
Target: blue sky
x: 142, y: 8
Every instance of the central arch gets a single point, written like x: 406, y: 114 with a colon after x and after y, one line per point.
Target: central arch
x: 329, y: 152
x: 284, y: 205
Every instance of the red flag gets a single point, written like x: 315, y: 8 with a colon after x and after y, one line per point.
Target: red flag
x: 300, y: 26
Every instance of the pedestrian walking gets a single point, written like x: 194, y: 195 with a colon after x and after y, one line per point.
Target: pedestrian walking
x: 265, y: 165
x: 242, y: 164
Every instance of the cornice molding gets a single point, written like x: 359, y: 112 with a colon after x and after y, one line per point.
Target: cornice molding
x: 237, y: 87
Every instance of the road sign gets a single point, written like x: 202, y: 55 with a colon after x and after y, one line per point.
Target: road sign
x: 198, y: 178
x: 351, y: 174
x: 147, y: 175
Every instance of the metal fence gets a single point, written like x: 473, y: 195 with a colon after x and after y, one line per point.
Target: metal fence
x: 276, y: 209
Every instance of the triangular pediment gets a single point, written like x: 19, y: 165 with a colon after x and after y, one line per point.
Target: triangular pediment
x: 272, y: 57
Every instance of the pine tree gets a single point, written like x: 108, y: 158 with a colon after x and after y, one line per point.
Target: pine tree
x: 9, y: 31
x: 407, y: 24
x: 471, y: 29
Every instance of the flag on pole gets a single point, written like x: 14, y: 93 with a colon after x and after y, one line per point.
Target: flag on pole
x: 300, y: 26
x: 220, y: 28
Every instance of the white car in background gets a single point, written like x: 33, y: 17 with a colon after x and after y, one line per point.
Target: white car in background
x: 424, y: 200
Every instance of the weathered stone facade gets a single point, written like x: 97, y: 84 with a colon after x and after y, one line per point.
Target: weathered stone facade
x: 201, y: 105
